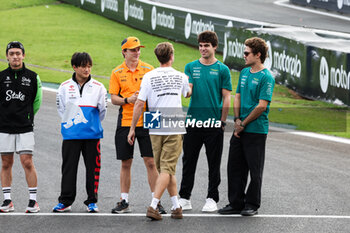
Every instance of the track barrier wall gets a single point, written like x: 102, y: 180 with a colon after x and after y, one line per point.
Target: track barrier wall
x: 315, y: 64
x: 341, y: 6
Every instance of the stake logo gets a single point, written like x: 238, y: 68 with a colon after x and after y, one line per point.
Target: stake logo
x: 324, y: 75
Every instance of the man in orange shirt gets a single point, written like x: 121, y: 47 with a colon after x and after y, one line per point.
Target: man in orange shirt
x: 124, y: 87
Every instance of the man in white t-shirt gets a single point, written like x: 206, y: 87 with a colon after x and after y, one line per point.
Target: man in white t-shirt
x: 162, y: 89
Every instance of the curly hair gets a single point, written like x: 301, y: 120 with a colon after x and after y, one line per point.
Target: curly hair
x: 258, y: 45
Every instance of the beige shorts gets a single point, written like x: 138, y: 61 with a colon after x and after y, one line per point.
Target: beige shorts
x: 22, y: 143
x: 166, y: 152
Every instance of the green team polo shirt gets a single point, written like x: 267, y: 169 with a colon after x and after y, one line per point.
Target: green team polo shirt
x: 208, y: 81
x: 254, y: 87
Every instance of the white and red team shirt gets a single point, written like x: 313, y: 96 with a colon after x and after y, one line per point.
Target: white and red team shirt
x: 81, y: 109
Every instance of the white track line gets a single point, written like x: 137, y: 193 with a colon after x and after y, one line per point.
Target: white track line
x: 285, y: 3
x: 185, y: 215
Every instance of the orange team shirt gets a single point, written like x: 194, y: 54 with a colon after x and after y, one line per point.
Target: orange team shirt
x: 125, y: 83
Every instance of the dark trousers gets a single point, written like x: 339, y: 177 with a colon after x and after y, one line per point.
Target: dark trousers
x: 71, y: 149
x: 193, y: 141
x: 246, y: 156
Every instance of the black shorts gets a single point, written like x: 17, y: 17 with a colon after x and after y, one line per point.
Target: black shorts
x: 123, y: 148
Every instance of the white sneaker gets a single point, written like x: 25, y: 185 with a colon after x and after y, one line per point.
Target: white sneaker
x: 210, y: 206
x: 33, y: 207
x: 185, y: 204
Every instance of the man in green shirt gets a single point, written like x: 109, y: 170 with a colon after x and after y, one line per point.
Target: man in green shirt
x: 247, y: 145
x: 208, y: 109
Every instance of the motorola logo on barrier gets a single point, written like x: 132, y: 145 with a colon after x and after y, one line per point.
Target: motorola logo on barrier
x: 196, y: 26
x: 110, y: 5
x: 341, y: 3
x: 162, y: 19
x: 133, y: 11
x: 90, y: 1
x: 337, y: 77
x: 278, y: 60
x: 324, y: 75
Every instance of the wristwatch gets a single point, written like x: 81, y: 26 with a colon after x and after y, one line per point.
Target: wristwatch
x: 126, y: 100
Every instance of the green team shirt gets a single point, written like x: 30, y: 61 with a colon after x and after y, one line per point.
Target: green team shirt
x: 208, y: 82
x: 254, y: 87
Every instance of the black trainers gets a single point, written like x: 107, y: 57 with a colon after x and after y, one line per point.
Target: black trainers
x: 7, y: 206
x: 122, y: 207
x: 33, y: 207
x: 160, y: 208
x: 249, y: 211
x: 229, y: 210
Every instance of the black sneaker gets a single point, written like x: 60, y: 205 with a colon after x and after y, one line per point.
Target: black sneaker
x: 33, y: 207
x: 122, y: 207
x: 229, y: 210
x: 7, y: 206
x: 249, y: 211
x: 160, y: 208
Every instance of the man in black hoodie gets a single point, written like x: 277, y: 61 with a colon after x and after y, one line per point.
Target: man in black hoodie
x: 20, y: 99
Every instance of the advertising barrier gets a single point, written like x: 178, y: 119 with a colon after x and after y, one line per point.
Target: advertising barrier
x: 175, y: 23
x: 341, y: 6
x: 299, y: 62
x: 297, y: 58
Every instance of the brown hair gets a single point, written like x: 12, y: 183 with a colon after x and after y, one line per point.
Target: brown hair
x: 208, y: 37
x: 257, y: 45
x: 163, y: 51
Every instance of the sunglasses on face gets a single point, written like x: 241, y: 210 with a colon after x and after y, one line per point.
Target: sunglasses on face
x: 246, y: 54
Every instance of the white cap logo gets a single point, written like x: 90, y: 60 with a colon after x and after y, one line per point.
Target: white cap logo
x: 268, y: 60
x: 126, y: 10
x: 324, y: 75
x: 340, y: 3
x: 188, y: 24
x: 154, y: 18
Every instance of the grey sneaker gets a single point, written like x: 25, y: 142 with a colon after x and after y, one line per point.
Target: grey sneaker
x: 122, y: 207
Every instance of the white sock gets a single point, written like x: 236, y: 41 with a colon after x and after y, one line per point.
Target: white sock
x: 152, y: 194
x: 175, y: 202
x: 32, y: 193
x: 154, y: 203
x: 125, y: 196
x: 7, y: 192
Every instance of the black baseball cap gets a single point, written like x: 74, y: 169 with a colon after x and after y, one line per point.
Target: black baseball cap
x: 15, y: 44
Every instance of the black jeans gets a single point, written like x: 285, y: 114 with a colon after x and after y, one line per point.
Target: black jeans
x: 71, y: 149
x: 193, y: 141
x: 246, y: 155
